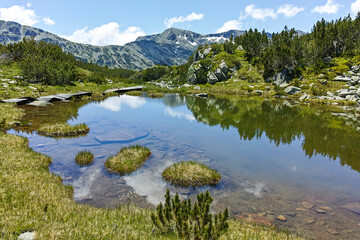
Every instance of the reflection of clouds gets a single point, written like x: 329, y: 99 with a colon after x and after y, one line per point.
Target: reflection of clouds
x: 255, y: 189
x: 170, y: 112
x: 114, y: 103
x: 83, y: 184
x: 149, y: 182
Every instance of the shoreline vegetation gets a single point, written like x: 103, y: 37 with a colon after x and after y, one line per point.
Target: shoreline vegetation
x: 63, y: 130
x: 34, y: 200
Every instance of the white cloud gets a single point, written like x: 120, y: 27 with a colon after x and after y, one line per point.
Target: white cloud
x: 19, y: 14
x: 289, y: 10
x: 355, y: 7
x: 28, y: 5
x: 230, y: 25
x: 107, y: 34
x: 191, y: 17
x: 260, y: 13
x: 48, y: 21
x: 329, y: 7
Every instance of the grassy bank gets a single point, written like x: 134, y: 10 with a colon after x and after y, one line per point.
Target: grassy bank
x: 33, y: 199
x: 63, y: 130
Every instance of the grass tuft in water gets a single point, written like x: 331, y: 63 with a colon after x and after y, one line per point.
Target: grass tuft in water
x: 127, y: 160
x: 154, y: 94
x: 191, y: 174
x: 134, y: 93
x: 63, y: 130
x: 84, y: 158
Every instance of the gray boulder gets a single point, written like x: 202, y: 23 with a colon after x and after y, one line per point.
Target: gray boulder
x: 345, y: 92
x: 206, y: 52
x: 191, y: 75
x: 305, y: 96
x: 291, y: 90
x: 211, y: 78
x: 283, y: 77
x: 220, y: 75
x: 342, y: 79
x: 223, y: 67
x: 27, y: 236
x: 355, y: 68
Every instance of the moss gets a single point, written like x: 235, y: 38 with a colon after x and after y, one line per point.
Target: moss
x: 191, y: 174
x: 84, y: 158
x: 127, y: 160
x: 63, y: 130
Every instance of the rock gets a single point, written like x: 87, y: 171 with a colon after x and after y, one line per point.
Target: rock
x: 332, y: 231
x: 329, y: 94
x: 33, y: 88
x: 192, y: 79
x: 206, y: 52
x: 324, y: 82
x: 269, y: 212
x: 13, y: 82
x: 27, y: 236
x: 259, y: 92
x: 352, y: 207
x: 355, y: 79
x: 327, y: 60
x: 342, y: 79
x: 352, y: 88
x: 239, y: 48
x: 220, y: 75
x: 285, y: 76
x: 352, y: 98
x: 344, y: 92
x: 291, y: 90
x: 291, y: 214
x: 321, y: 211
x: 303, y: 97
x: 320, y: 222
x: 281, y: 218
x: 197, y: 88
x: 5, y: 80
x: 254, y: 218
x: 321, y: 76
x: 324, y: 207
x: 355, y: 68
x: 223, y: 67
x: 211, y: 78
x: 310, y: 221
x: 307, y: 205
x: 4, y: 85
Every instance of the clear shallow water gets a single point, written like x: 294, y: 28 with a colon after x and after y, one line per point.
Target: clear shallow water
x: 272, y: 157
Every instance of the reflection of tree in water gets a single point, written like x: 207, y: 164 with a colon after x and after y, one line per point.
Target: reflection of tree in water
x: 174, y: 100
x: 323, y: 134
x: 59, y: 112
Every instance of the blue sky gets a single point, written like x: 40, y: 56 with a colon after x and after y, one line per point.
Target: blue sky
x: 120, y: 21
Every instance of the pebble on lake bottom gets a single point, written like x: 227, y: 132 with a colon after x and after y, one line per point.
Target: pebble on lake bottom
x: 332, y: 231
x: 281, y: 218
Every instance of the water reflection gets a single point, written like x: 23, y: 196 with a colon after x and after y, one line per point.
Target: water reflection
x: 281, y: 124
x: 114, y: 104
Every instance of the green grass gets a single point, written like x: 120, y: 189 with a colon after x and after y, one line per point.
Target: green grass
x: 33, y: 199
x: 134, y: 93
x: 127, y: 160
x: 191, y: 173
x: 63, y: 130
x: 153, y: 94
x: 9, y: 114
x: 84, y: 158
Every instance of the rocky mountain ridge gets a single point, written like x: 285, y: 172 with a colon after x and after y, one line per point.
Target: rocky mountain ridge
x: 172, y: 47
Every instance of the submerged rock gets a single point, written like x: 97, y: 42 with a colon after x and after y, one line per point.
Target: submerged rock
x: 281, y: 218
x: 254, y: 218
x: 352, y: 207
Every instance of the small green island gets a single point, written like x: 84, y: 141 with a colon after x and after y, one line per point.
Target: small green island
x: 84, y: 158
x: 63, y: 130
x: 191, y: 173
x: 127, y: 160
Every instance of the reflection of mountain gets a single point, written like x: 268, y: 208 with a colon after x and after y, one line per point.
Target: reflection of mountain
x: 282, y: 124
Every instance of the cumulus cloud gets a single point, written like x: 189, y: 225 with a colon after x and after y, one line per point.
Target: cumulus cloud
x: 169, y: 22
x: 23, y: 15
x: 289, y: 10
x: 355, y: 7
x: 48, y: 21
x: 19, y: 14
x: 260, y: 13
x: 107, y: 34
x: 329, y: 8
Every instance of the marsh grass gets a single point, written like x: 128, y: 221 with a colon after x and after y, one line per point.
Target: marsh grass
x: 153, y: 94
x: 191, y: 173
x: 63, y: 130
x: 84, y: 158
x: 9, y: 114
x: 127, y: 160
